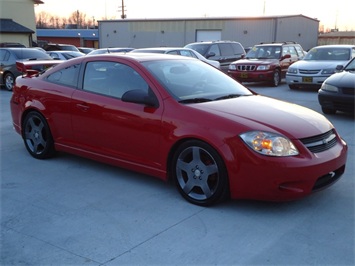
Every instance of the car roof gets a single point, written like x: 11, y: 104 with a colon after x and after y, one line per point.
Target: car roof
x: 162, y: 49
x: 335, y: 46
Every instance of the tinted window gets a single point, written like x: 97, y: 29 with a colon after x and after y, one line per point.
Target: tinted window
x: 112, y: 79
x: 237, y: 48
x: 226, y: 49
x: 4, y: 55
x: 30, y: 53
x: 65, y: 76
x: 214, y: 49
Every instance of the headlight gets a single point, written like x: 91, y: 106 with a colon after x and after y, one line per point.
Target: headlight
x: 328, y: 87
x: 328, y: 71
x: 270, y: 144
x: 232, y: 67
x: 263, y: 67
x: 292, y: 70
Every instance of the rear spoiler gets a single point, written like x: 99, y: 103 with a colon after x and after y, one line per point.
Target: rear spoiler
x: 33, y: 67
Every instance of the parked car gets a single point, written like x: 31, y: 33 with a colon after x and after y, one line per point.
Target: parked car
x: 224, y: 52
x: 337, y: 92
x: 266, y: 62
x: 12, y: 44
x: 8, y: 58
x: 59, y: 46
x: 85, y: 50
x: 178, y: 51
x: 111, y: 50
x: 319, y: 63
x: 177, y: 117
x: 64, y: 55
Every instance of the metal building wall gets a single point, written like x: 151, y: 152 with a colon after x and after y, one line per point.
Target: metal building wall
x: 179, y: 32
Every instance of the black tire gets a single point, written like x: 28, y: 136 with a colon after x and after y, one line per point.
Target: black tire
x: 328, y: 111
x: 276, y: 78
x: 37, y: 136
x: 200, y: 174
x: 9, y: 80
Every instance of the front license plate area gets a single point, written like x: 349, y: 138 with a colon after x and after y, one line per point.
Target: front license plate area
x: 307, y: 79
x: 244, y: 75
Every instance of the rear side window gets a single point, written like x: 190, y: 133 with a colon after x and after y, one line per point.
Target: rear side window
x: 66, y: 76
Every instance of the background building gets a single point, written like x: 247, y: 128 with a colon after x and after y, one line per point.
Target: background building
x: 18, y: 23
x: 139, y: 33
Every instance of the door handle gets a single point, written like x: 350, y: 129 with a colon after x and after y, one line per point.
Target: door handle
x: 83, y: 106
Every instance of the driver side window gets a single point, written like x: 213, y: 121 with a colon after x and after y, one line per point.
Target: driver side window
x: 112, y: 79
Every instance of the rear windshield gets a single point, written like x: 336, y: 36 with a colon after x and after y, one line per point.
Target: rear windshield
x: 31, y: 54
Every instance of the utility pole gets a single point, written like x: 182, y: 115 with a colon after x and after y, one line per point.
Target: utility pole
x: 123, y: 16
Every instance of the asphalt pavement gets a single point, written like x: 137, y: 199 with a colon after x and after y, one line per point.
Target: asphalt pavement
x: 73, y: 211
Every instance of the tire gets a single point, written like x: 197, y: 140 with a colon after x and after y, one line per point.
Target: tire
x: 37, y: 136
x: 328, y: 111
x: 276, y: 79
x: 200, y: 174
x: 9, y: 80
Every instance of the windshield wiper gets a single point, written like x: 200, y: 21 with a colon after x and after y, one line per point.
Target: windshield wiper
x: 229, y: 96
x: 195, y: 100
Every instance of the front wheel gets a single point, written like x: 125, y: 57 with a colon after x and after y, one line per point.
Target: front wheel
x: 200, y: 173
x: 37, y: 136
x: 276, y: 79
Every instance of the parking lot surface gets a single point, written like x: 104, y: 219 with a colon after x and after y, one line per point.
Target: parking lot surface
x: 73, y: 211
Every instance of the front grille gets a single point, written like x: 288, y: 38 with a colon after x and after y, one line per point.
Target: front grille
x: 246, y: 67
x: 321, y: 142
x: 310, y: 72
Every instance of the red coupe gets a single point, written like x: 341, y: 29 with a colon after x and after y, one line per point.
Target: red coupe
x: 176, y: 117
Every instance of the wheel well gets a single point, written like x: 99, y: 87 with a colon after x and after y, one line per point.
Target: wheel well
x: 175, y: 147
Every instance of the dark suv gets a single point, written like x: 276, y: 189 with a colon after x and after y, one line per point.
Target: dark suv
x: 266, y: 62
x: 224, y: 52
x: 59, y: 47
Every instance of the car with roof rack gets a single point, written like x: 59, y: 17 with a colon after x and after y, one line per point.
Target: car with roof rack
x: 267, y: 62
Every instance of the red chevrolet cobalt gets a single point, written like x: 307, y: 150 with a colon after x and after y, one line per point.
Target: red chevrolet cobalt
x: 175, y: 117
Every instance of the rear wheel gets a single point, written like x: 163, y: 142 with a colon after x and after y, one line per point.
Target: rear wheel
x: 9, y: 80
x: 199, y: 173
x: 37, y: 136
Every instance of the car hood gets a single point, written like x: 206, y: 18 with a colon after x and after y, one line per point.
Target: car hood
x: 343, y: 79
x: 313, y: 65
x: 264, y: 113
x: 256, y: 61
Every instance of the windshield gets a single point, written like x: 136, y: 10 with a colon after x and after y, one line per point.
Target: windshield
x: 201, y: 48
x: 194, y: 81
x: 351, y: 66
x: 328, y: 53
x: 264, y: 52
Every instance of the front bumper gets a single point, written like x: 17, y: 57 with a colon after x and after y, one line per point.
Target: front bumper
x: 255, y: 76
x: 337, y: 101
x: 287, y: 178
x: 305, y: 81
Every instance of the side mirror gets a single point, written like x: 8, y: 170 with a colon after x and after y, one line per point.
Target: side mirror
x: 210, y: 55
x: 140, y: 97
x: 339, y: 68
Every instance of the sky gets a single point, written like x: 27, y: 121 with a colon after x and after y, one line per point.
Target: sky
x: 336, y: 14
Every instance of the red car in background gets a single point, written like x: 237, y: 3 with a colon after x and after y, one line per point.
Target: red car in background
x: 179, y: 118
